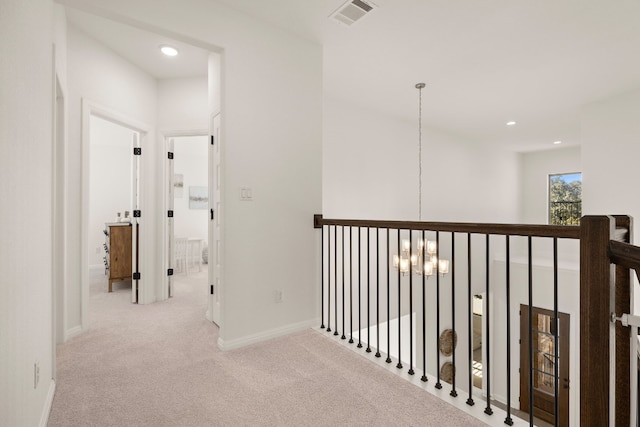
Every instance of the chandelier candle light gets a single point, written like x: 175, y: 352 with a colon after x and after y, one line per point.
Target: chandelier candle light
x: 416, y: 260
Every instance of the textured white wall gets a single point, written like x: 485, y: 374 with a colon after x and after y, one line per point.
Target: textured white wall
x: 26, y: 101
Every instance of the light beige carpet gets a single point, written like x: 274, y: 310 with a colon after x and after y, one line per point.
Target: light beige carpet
x: 158, y: 365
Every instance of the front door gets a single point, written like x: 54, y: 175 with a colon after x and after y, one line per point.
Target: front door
x: 543, y: 368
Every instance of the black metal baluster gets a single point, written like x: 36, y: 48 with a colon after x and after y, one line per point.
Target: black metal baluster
x: 399, y: 365
x: 437, y: 273
x: 508, y: 419
x: 487, y: 367
x: 530, y: 272
x: 322, y: 278
x: 351, y: 284
x: 453, y: 392
x: 359, y: 287
x: 388, y: 302
x: 424, y: 312
x: 368, y: 350
x: 411, y: 371
x: 335, y: 278
x: 329, y: 279
x: 377, y: 292
x: 556, y: 333
x: 343, y: 316
x: 470, y: 401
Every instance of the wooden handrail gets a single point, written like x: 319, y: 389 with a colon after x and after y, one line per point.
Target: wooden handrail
x: 624, y: 254
x: 533, y: 230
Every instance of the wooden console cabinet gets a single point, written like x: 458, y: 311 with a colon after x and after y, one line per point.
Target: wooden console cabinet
x: 118, y: 248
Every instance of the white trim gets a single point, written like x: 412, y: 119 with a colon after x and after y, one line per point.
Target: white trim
x: 175, y: 133
x: 266, y: 335
x: 46, y: 410
x: 73, y: 332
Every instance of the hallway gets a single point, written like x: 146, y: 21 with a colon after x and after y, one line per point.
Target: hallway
x: 158, y: 365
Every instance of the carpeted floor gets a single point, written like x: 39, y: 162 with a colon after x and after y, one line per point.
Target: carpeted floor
x: 158, y: 365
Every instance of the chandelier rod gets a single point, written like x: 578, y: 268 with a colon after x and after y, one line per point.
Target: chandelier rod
x: 420, y: 86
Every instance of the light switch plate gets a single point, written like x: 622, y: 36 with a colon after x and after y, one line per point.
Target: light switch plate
x: 246, y: 194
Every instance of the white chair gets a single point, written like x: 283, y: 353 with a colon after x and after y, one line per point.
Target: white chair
x: 194, y: 253
x: 180, y: 254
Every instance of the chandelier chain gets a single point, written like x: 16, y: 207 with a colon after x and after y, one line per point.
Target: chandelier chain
x: 420, y: 86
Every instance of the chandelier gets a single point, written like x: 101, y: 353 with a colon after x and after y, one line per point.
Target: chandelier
x: 416, y: 260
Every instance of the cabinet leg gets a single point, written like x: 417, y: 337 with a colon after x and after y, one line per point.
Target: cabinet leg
x: 110, y: 284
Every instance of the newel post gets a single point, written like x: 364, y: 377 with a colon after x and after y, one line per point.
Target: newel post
x: 623, y: 286
x: 596, y: 281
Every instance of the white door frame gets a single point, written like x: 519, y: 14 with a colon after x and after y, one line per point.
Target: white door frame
x: 91, y: 108
x: 215, y: 224
x: 58, y: 218
x: 165, y: 140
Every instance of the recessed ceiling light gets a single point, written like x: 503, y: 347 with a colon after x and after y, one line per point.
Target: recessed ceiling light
x: 168, y: 50
x: 557, y: 142
x: 511, y: 123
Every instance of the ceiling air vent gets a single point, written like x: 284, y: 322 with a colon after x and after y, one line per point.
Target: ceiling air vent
x: 352, y: 11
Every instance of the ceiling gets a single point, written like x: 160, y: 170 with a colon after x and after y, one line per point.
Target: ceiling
x: 142, y: 47
x: 484, y: 62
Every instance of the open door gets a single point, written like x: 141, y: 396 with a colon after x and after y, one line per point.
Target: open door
x: 544, y: 359
x: 171, y: 257
x: 215, y: 221
x: 135, y: 220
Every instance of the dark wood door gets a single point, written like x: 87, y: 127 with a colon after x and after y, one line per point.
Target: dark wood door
x: 544, y: 352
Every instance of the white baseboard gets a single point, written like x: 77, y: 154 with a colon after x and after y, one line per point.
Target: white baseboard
x: 73, y: 332
x: 46, y: 410
x: 266, y: 335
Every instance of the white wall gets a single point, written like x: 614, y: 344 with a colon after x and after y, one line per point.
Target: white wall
x: 26, y: 108
x: 370, y: 171
x: 610, y: 149
x: 272, y: 126
x: 191, y: 160
x: 96, y: 74
x: 111, y: 181
x: 183, y: 104
x: 535, y: 168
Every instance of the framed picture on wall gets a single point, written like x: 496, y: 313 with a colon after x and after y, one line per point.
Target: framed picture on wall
x: 178, y: 185
x: 198, y: 197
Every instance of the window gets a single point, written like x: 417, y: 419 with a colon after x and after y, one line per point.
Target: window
x: 565, y: 199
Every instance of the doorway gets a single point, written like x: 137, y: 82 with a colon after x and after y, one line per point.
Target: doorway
x: 544, y: 364
x: 113, y: 196
x: 127, y: 170
x: 188, y: 206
